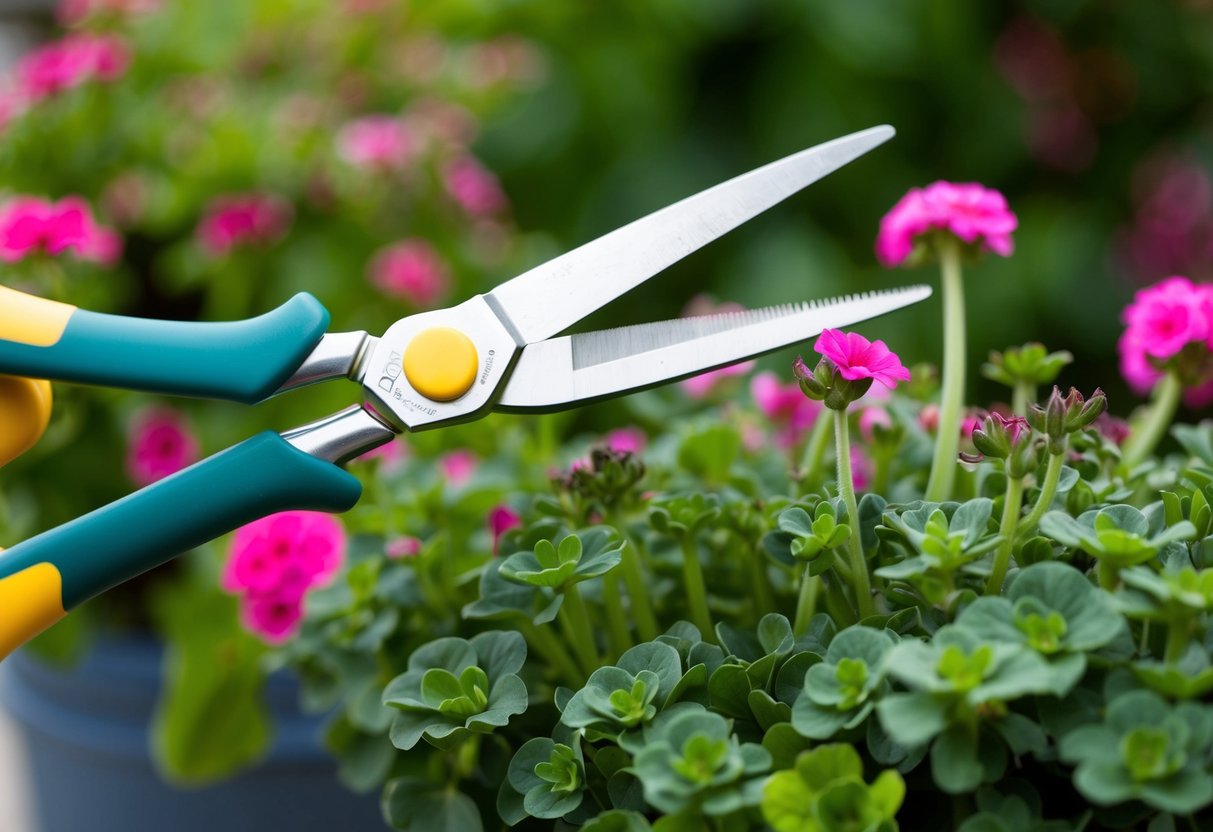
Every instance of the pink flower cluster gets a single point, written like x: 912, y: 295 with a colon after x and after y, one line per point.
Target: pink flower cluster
x: 473, y: 187
x: 502, y: 519
x: 159, y: 443
x: 785, y: 406
x: 973, y: 213
x: 30, y: 225
x: 855, y: 357
x: 1037, y: 64
x: 412, y: 271
x: 376, y: 142
x: 71, y: 62
x: 1172, y: 228
x: 238, y: 220
x: 273, y: 562
x: 1160, y: 322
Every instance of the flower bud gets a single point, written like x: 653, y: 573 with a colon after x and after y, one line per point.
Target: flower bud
x: 1000, y: 437
x: 810, y: 384
x: 1029, y: 364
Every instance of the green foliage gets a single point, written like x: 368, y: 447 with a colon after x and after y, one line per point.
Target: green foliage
x: 1144, y: 750
x: 1030, y: 364
x: 576, y: 558
x: 826, y: 792
x: 455, y: 687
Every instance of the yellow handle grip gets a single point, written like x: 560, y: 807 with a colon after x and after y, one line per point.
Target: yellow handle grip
x: 30, y: 601
x: 25, y: 411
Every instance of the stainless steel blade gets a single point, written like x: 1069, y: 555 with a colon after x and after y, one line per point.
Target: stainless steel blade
x: 552, y: 297
x: 575, y: 369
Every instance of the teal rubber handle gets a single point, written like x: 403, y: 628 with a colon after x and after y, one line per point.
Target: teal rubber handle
x: 243, y: 361
x: 258, y: 477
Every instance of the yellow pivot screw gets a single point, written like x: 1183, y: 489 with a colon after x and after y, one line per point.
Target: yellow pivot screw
x: 25, y: 410
x: 441, y: 363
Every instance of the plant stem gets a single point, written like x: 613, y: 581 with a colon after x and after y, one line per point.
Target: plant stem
x: 1177, y: 640
x: 618, y: 633
x: 1048, y: 489
x: 638, y: 592
x: 1109, y: 575
x: 846, y: 487
x: 839, y: 607
x: 1010, y: 519
x: 761, y: 584
x: 1149, y: 431
x: 1022, y: 395
x: 806, y: 601
x: 696, y: 589
x: 947, y: 441
x: 814, y: 452
x: 576, y: 623
x: 553, y: 651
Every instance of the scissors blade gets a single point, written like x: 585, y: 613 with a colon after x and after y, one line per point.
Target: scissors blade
x: 575, y: 369
x: 552, y: 297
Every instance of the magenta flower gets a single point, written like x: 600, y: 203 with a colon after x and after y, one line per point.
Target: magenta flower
x: 855, y: 357
x: 30, y: 225
x: 975, y: 214
x: 378, y: 141
x: 75, y: 60
x: 243, y: 219
x: 501, y: 519
x: 871, y: 418
x: 861, y: 469
x: 473, y: 187
x: 159, y: 443
x: 273, y: 562
x: 410, y: 270
x: 458, y: 466
x: 785, y: 406
x: 630, y: 440
x: 275, y: 618
x: 1165, y: 317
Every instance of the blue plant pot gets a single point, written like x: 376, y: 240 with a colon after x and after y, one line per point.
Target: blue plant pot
x: 86, y: 736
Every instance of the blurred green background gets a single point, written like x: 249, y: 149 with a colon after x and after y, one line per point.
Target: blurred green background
x: 1092, y: 117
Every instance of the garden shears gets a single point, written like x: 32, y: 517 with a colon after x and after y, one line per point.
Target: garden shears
x: 499, y: 351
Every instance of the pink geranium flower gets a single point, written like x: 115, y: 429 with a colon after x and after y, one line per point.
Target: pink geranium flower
x: 871, y: 418
x: 501, y: 519
x: 159, y: 443
x: 30, y: 225
x: 1162, y: 321
x: 630, y: 440
x: 473, y: 187
x: 75, y: 60
x: 785, y: 406
x: 378, y: 141
x: 973, y: 213
x: 410, y: 270
x: 458, y: 466
x: 236, y: 220
x: 274, y: 561
x: 855, y: 357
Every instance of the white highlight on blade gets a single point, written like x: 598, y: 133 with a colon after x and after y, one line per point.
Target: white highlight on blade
x: 575, y: 369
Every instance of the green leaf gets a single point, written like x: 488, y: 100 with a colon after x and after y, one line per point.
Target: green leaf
x: 499, y: 653
x: 210, y: 720
x: 954, y: 762
x: 783, y: 743
x: 827, y: 763
x: 615, y: 820
x: 413, y: 804
x: 657, y: 657
x: 787, y: 803
x: 912, y: 719
x: 729, y: 689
